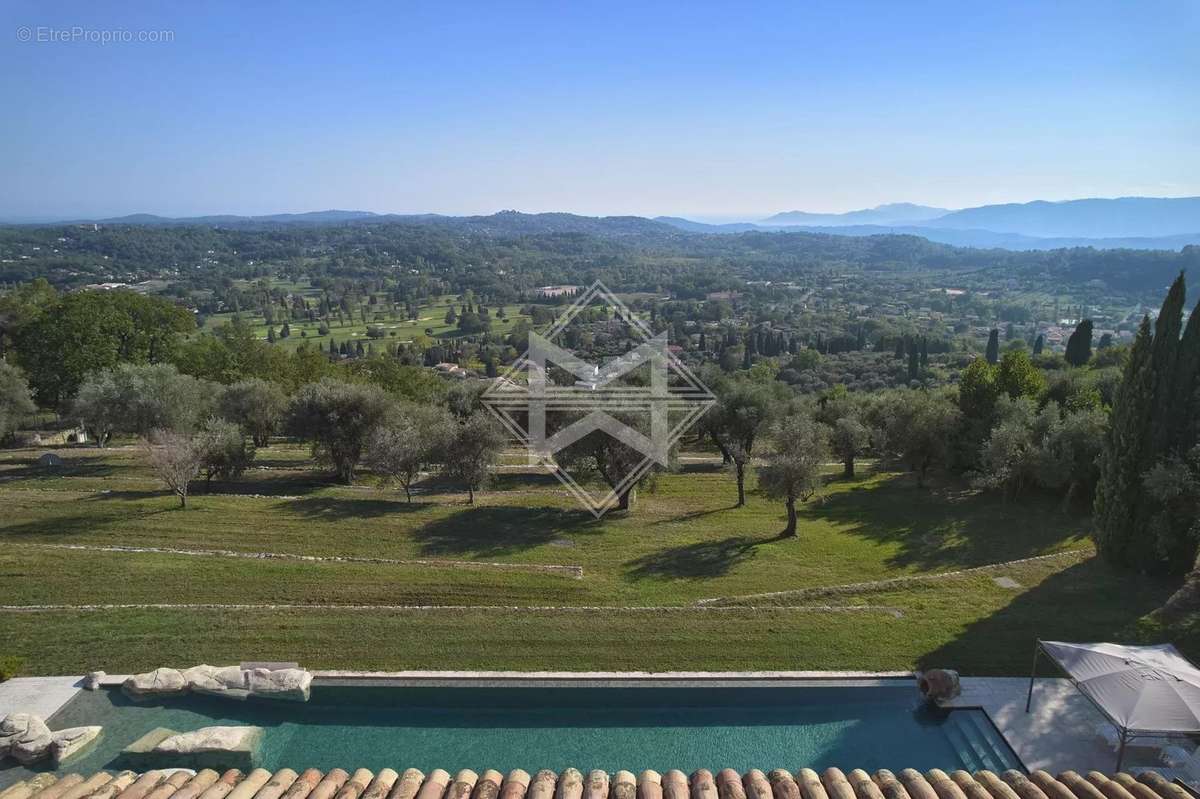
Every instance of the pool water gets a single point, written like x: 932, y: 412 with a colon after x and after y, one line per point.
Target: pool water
x: 632, y: 728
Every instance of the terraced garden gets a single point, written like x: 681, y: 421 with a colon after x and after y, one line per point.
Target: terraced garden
x: 100, y: 569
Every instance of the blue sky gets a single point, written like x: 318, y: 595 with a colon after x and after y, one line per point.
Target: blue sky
x: 710, y: 110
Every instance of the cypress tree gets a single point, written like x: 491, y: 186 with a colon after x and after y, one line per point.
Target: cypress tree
x: 1185, y: 408
x: 1039, y: 344
x: 1079, y: 345
x: 993, y: 347
x: 924, y: 351
x: 1171, y: 527
x: 913, y: 364
x: 1120, y: 483
x: 1145, y: 428
x: 1163, y: 364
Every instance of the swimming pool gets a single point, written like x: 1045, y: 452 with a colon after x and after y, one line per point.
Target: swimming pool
x: 870, y: 726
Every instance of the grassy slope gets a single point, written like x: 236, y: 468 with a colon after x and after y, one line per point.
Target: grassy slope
x: 682, y: 543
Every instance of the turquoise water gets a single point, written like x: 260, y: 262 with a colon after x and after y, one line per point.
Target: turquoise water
x: 535, y: 728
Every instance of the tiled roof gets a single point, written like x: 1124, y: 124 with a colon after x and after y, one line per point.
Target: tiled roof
x: 572, y: 784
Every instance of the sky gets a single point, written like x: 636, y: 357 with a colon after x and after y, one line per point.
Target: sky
x: 707, y: 110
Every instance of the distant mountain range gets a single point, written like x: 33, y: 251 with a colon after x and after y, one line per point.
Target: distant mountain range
x: 1144, y: 223
x: 1093, y: 218
x: 309, y: 218
x: 1139, y: 222
x: 510, y: 223
x: 890, y: 214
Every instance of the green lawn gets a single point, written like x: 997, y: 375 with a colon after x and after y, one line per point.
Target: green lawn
x: 634, y: 606
x: 432, y: 316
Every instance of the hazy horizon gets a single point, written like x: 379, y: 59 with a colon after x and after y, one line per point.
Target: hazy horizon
x: 596, y: 109
x: 705, y: 218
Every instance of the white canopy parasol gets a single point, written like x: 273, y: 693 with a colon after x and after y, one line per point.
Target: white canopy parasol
x: 1143, y: 690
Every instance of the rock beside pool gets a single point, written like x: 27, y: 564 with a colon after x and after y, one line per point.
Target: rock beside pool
x: 93, y: 679
x: 232, y: 682
x: 207, y: 747
x: 211, y: 739
x: 70, y: 742
x: 25, y: 737
x: 288, y: 684
x: 31, y: 750
x: 231, y: 676
x: 160, y: 682
x: 227, y: 681
x: 213, y: 678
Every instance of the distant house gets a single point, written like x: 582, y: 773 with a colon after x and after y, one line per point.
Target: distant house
x: 451, y: 370
x: 556, y: 291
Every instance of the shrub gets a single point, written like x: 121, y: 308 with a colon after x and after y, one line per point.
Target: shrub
x: 10, y: 666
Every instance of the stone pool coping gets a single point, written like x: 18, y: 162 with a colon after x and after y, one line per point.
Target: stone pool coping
x: 42, y: 696
x: 680, y: 679
x: 45, y: 696
x: 594, y: 678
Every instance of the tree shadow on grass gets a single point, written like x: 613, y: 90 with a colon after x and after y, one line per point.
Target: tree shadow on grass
x: 81, y: 524
x: 71, y: 467
x: 339, y: 508
x: 696, y: 514
x: 501, y: 530
x: 948, y: 526
x: 283, y: 484
x: 510, y: 481
x: 695, y: 561
x: 704, y: 467
x: 1087, y: 601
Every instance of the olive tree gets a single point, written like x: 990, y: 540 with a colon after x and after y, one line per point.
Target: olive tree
x: 256, y: 406
x: 850, y: 438
x: 920, y: 425
x: 15, y: 400
x: 175, y: 459
x: 473, y: 449
x: 138, y: 399
x: 1010, y: 457
x: 742, y: 412
x: 845, y: 413
x: 599, y: 454
x: 337, y: 418
x: 223, y: 450
x: 407, y: 442
x: 793, y: 468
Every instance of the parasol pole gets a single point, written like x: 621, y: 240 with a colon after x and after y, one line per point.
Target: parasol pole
x: 1037, y: 650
